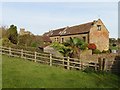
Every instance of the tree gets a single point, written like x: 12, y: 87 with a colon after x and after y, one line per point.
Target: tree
x: 65, y: 51
x: 75, y: 44
x: 12, y: 34
x: 3, y: 31
x: 6, y: 42
x: 25, y: 40
x: 71, y: 47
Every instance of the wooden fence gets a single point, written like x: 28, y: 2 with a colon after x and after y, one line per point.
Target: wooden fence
x: 66, y: 62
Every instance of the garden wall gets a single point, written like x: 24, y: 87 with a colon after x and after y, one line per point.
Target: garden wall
x: 109, y: 62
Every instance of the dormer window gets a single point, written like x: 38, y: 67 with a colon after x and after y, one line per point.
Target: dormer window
x: 98, y: 27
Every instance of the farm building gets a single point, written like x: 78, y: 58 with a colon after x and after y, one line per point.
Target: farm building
x: 91, y: 32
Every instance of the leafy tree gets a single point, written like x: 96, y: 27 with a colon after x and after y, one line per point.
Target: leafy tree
x: 3, y: 32
x: 65, y: 51
x: 6, y: 42
x: 30, y: 40
x: 12, y: 34
x: 76, y: 45
x: 71, y: 47
x: 25, y: 40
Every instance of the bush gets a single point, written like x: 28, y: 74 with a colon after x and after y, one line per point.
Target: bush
x: 106, y: 51
x: 96, y: 51
x: 33, y: 49
x: 92, y: 46
x: 84, y: 46
x: 6, y: 42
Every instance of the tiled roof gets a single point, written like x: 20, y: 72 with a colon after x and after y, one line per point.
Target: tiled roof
x: 46, y: 38
x: 83, y: 28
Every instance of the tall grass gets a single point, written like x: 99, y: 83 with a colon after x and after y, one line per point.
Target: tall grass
x: 20, y: 73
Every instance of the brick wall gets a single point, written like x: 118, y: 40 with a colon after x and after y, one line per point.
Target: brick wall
x: 99, y: 37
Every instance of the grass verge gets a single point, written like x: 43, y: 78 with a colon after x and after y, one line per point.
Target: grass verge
x: 20, y: 73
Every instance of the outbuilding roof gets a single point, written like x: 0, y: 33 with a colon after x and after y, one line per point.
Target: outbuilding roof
x: 77, y: 29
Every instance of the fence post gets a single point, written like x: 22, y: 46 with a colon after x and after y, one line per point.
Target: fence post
x: 50, y: 59
x: 81, y: 65
x: 63, y: 62
x: 21, y: 53
x: 68, y: 63
x: 35, y: 56
x: 9, y: 51
x: 100, y: 63
x: 95, y: 66
x: 103, y: 64
x: 106, y: 65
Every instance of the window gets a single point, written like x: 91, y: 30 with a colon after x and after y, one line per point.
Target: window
x: 57, y: 39
x: 62, y: 40
x: 98, y: 27
x: 84, y: 39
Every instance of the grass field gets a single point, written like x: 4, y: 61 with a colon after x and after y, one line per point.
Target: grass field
x: 20, y: 73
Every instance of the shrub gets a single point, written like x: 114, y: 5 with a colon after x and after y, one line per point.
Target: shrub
x: 96, y: 51
x: 84, y: 46
x: 6, y: 42
x: 92, y: 46
x: 33, y: 49
x: 106, y: 51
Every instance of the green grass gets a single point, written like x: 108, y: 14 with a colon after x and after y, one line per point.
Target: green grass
x: 20, y: 73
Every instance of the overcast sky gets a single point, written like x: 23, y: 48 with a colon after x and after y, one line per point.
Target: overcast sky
x: 40, y: 17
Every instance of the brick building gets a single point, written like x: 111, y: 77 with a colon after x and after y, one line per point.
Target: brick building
x: 91, y: 32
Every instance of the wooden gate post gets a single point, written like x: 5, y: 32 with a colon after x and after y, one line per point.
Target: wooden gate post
x: 50, y: 59
x: 68, y: 63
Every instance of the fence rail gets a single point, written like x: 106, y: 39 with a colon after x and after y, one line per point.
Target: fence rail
x: 66, y: 62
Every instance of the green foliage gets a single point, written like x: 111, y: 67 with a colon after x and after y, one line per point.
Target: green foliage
x: 96, y: 51
x: 71, y: 47
x: 12, y: 34
x: 76, y: 45
x: 20, y: 73
x: 3, y: 32
x: 6, y: 42
x: 25, y: 40
x: 34, y: 44
x: 106, y: 51
x: 114, y: 47
x: 65, y: 51
x: 84, y: 46
x: 28, y: 48
x: 30, y: 40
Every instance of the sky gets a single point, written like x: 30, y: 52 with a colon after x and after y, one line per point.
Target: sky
x: 40, y: 17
